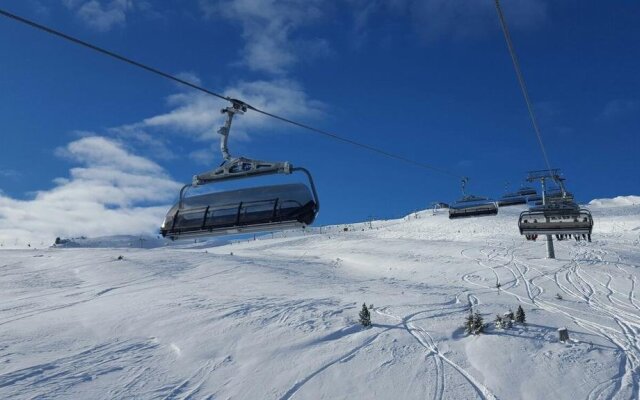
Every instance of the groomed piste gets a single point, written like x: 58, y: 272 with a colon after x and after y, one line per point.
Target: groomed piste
x: 276, y: 317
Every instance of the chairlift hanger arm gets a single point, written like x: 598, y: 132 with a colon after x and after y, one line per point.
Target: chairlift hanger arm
x: 312, y: 184
x: 464, y: 181
x: 237, y: 167
x: 237, y: 107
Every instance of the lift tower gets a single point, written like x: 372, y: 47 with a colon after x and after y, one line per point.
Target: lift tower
x: 543, y: 176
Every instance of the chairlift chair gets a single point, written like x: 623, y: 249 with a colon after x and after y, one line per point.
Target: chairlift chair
x: 512, y: 199
x: 522, y: 196
x: 527, y: 191
x: 562, y: 220
x: 472, y: 206
x: 559, y: 215
x: 555, y: 196
x: 249, y: 210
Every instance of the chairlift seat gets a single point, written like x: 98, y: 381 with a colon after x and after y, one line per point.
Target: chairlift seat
x: 472, y: 206
x: 555, y: 221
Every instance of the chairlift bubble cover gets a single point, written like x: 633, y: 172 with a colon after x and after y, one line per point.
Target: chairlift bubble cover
x: 247, y: 210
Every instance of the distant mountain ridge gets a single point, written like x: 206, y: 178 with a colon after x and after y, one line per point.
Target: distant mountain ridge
x: 116, y: 241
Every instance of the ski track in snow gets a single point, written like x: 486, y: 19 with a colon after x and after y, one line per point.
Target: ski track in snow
x: 572, y: 280
x: 345, y: 357
x: 53, y: 378
x: 426, y: 340
x: 190, y: 388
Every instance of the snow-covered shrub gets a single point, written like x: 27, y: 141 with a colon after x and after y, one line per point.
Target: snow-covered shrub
x: 507, y: 320
x: 468, y: 323
x: 365, y: 316
x: 478, y: 324
x: 474, y: 324
x: 520, y: 317
x: 509, y: 315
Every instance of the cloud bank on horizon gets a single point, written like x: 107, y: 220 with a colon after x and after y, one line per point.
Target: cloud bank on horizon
x: 112, y: 192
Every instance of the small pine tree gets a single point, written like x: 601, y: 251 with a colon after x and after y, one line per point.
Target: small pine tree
x: 365, y: 316
x: 499, y: 322
x: 478, y: 323
x: 468, y: 323
x: 520, y: 317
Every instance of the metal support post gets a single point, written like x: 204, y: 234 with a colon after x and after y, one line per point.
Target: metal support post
x: 550, y: 250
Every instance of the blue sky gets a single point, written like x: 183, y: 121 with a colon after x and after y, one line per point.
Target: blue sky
x: 427, y: 79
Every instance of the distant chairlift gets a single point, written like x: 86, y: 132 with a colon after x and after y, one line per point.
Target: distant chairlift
x: 556, y: 194
x: 472, y: 206
x: 522, y: 196
x: 559, y: 215
x: 250, y: 210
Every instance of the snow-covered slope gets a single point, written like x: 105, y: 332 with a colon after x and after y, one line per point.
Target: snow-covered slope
x: 276, y: 318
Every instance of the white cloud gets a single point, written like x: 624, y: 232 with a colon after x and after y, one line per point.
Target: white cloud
x: 193, y: 114
x: 112, y: 192
x: 153, y: 146
x: 269, y: 28
x: 198, y: 116
x: 205, y: 156
x: 102, y: 152
x: 363, y: 11
x: 282, y: 97
x: 101, y: 15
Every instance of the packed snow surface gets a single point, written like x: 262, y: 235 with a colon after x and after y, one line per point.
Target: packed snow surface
x: 276, y: 318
